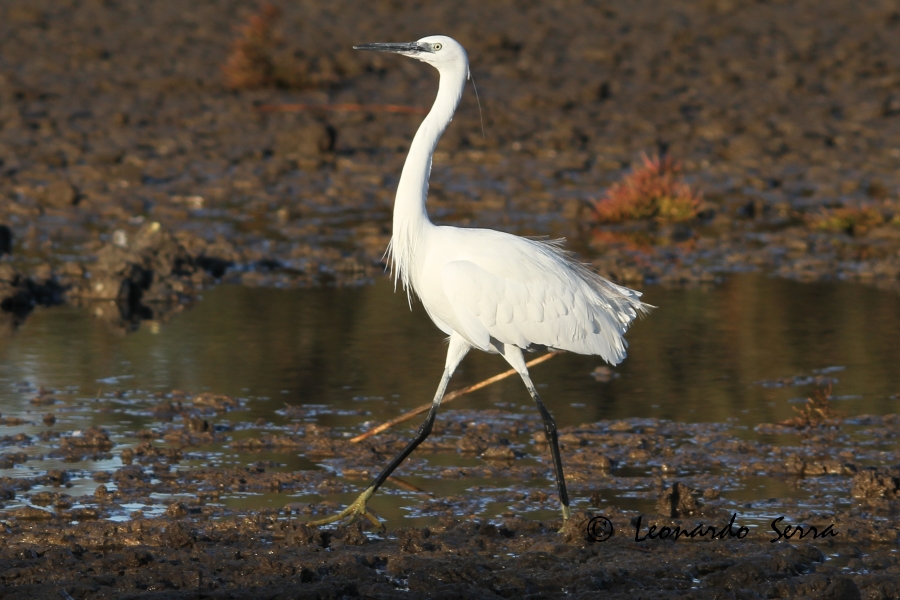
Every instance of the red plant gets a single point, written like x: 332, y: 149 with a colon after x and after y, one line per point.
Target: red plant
x: 652, y: 191
x: 258, y: 58
x: 250, y: 63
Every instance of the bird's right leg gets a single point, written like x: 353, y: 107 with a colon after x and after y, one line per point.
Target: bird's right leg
x: 459, y: 347
x: 513, y: 356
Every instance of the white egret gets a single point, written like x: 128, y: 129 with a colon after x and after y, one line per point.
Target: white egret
x: 486, y: 289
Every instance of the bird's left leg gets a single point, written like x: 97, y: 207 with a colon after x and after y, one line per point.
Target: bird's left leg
x: 459, y: 347
x: 513, y: 356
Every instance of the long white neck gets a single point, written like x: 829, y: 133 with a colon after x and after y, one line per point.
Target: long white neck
x: 410, y: 216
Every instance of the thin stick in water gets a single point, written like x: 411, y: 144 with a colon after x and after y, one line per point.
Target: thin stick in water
x: 451, y: 396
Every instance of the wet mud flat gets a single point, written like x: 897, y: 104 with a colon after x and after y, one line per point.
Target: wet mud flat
x: 780, y: 112
x: 455, y: 559
x: 164, y: 521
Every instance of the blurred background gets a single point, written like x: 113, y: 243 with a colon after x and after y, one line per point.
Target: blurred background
x: 255, y: 135
x: 171, y: 171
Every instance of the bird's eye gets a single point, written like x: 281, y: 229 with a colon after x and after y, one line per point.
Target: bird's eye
x: 436, y: 47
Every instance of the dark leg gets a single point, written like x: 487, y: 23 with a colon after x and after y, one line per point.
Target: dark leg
x: 550, y: 432
x: 424, y: 432
x: 458, y: 349
x: 513, y: 356
x: 552, y: 439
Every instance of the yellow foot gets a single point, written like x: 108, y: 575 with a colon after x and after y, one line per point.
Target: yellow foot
x: 354, y: 511
x: 567, y: 513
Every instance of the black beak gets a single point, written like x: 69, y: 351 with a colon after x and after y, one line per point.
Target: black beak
x: 405, y: 47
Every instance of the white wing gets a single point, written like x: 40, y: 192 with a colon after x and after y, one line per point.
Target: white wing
x: 530, y: 293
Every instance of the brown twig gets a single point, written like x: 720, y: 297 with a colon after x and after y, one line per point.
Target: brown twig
x: 405, y: 485
x: 389, y: 108
x: 451, y: 396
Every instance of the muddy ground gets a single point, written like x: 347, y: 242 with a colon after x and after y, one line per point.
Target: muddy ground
x: 185, y: 541
x: 129, y: 171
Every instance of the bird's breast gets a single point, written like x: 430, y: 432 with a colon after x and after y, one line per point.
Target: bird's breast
x: 426, y: 278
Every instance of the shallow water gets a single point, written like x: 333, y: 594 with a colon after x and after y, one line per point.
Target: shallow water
x: 743, y: 352
x: 705, y: 354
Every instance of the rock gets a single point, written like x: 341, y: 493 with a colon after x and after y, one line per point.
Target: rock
x: 196, y: 424
x: 309, y: 139
x: 6, y: 240
x: 219, y: 402
x: 59, y: 194
x: 20, y: 294
x: 677, y: 501
x: 591, y: 457
x: 178, y: 535
x: 86, y: 513
x: 30, y: 513
x: 130, y: 475
x: 872, y: 483
x: 91, y: 438
x: 15, y: 458
x: 472, y: 443
x: 575, y: 530
x: 501, y: 453
x: 58, y: 476
x: 150, y: 267
x: 177, y: 510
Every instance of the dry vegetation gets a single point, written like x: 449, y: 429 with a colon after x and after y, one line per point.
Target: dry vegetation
x: 852, y: 220
x: 250, y: 64
x: 653, y: 191
x: 817, y: 412
x: 258, y: 58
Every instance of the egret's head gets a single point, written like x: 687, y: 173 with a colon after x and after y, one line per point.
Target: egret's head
x: 437, y: 50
